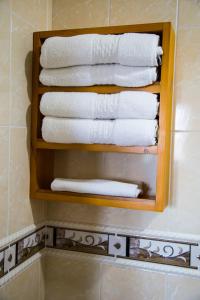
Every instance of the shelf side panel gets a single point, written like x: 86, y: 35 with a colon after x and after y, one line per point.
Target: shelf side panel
x: 165, y: 118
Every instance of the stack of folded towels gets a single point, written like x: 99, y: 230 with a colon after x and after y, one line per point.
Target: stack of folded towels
x: 125, y: 119
x: 128, y: 59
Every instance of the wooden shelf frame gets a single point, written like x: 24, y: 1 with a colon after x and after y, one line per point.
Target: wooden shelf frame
x: 42, y: 153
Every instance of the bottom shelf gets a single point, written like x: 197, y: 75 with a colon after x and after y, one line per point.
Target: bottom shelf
x: 100, y: 200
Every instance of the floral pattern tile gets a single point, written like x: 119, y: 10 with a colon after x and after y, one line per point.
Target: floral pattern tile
x: 82, y: 241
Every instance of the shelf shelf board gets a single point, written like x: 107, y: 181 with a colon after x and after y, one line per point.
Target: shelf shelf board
x: 153, y: 88
x: 41, y: 144
x: 100, y: 200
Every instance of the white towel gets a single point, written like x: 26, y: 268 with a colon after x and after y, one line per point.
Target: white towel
x: 99, y: 75
x: 127, y: 132
x: 124, y: 105
x: 96, y: 186
x: 130, y: 49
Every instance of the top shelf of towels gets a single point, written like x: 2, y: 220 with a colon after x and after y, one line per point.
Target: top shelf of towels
x: 128, y: 60
x: 111, y: 59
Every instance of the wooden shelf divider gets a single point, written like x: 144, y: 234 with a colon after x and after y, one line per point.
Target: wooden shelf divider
x: 101, y: 89
x: 42, y: 153
x: 41, y: 144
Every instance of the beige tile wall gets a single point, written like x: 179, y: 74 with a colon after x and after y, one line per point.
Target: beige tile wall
x: 183, y: 213
x: 77, y: 278
x: 18, y: 20
x: 26, y: 285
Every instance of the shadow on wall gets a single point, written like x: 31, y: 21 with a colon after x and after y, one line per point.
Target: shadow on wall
x: 38, y: 214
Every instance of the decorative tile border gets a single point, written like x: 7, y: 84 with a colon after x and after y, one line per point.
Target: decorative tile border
x: 163, y: 252
x: 21, y: 250
x: 160, y: 251
x: 128, y: 247
x: 81, y: 241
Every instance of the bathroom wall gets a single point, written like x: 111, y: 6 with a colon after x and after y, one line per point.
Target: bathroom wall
x: 27, y: 284
x: 18, y: 20
x: 183, y: 213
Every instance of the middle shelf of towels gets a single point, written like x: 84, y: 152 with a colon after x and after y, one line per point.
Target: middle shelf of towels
x: 125, y: 119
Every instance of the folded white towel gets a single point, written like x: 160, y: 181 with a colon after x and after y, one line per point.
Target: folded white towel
x: 99, y: 75
x: 130, y: 49
x: 127, y: 132
x: 96, y: 186
x: 124, y: 105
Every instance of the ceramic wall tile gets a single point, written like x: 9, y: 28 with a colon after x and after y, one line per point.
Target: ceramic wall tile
x: 33, y: 12
x: 127, y: 283
x: 182, y: 288
x: 23, y: 211
x: 138, y: 12
x: 2, y: 293
x: 72, y: 279
x: 4, y: 79
x: 4, y: 157
x: 5, y: 23
x: 22, y: 39
x: 10, y: 258
x: 4, y: 17
x: 117, y: 245
x: 24, y: 286
x: 42, y: 287
x: 189, y: 13
x: 80, y: 13
x: 187, y: 81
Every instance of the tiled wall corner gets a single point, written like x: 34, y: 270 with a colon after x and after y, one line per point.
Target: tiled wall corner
x: 18, y: 21
x: 25, y: 285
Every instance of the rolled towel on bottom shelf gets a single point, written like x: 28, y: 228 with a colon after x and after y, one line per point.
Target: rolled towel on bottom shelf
x: 127, y: 132
x: 97, y: 186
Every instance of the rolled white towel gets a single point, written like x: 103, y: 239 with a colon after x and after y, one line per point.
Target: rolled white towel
x: 99, y: 75
x: 96, y: 186
x: 124, y: 105
x: 126, y: 132
x: 130, y: 49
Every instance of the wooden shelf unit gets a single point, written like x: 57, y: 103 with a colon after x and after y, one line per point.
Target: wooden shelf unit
x: 42, y: 153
